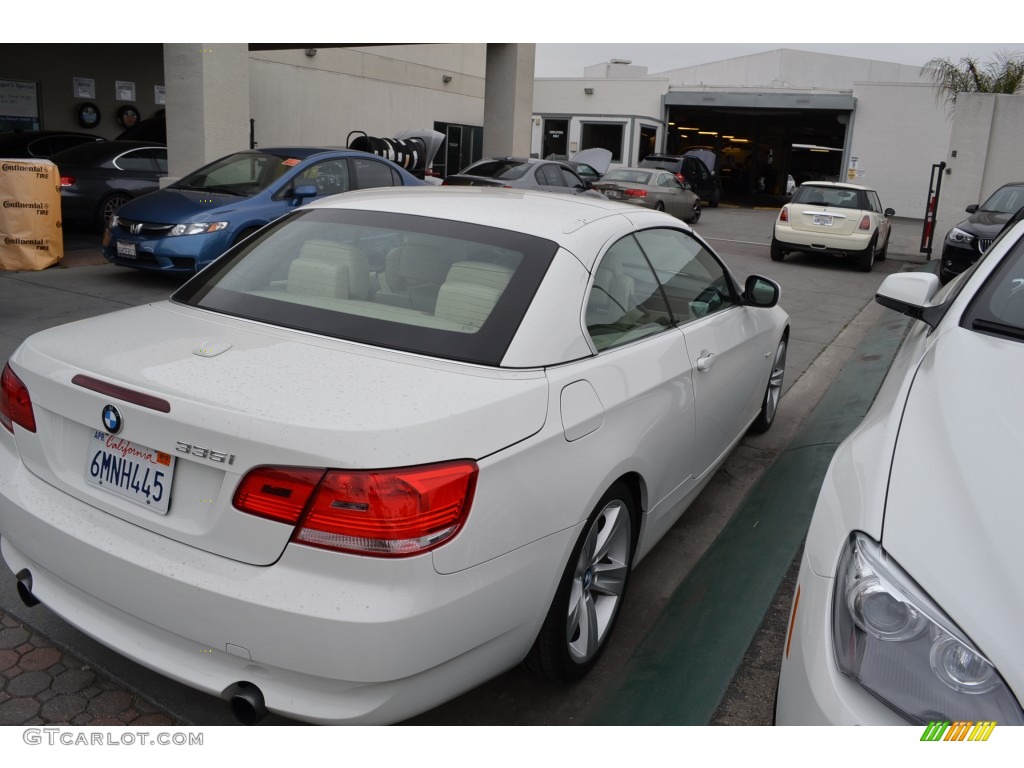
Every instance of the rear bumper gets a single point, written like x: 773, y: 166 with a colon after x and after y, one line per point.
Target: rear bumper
x: 328, y: 638
x: 790, y: 239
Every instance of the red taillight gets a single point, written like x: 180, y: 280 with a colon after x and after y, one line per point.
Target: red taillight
x: 865, y: 222
x: 636, y: 193
x: 67, y: 181
x: 784, y: 214
x: 681, y: 177
x: 15, y: 403
x: 385, y: 513
x: 277, y: 493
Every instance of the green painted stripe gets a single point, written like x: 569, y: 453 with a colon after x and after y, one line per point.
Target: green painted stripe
x: 681, y: 669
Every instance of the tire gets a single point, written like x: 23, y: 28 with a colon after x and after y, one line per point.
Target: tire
x: 777, y: 253
x: 715, y: 198
x: 659, y: 206
x: 110, y: 206
x: 867, y: 259
x: 772, y: 393
x: 695, y: 213
x: 590, y: 593
x: 880, y: 256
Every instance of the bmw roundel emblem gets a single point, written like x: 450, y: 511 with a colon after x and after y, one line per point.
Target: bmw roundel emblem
x: 112, y: 420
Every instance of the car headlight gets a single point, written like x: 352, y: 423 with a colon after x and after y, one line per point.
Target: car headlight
x: 198, y: 228
x: 958, y: 236
x: 893, y: 639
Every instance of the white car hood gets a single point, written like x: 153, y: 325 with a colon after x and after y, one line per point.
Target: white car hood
x: 953, y: 517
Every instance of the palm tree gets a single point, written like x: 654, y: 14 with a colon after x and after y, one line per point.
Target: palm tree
x: 1004, y: 74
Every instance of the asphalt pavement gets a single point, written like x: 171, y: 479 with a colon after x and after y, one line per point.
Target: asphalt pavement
x: 705, y: 652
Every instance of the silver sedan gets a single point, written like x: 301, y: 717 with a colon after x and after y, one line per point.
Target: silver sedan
x: 651, y: 188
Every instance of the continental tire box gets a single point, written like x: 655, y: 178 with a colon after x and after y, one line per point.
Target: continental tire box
x: 30, y: 233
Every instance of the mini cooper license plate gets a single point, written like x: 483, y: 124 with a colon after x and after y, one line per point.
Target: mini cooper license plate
x: 820, y: 220
x: 127, y: 250
x: 140, y: 474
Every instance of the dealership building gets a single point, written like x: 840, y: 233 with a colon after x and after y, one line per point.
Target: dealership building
x: 787, y: 112
x: 768, y: 116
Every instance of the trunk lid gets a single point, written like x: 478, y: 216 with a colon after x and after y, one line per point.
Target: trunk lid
x: 827, y: 220
x: 242, y: 394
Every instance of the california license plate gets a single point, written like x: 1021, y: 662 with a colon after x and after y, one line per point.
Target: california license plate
x: 821, y: 220
x: 613, y: 194
x: 127, y: 250
x: 135, y: 472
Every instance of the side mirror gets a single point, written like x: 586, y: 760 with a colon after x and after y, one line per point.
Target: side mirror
x: 889, y: 212
x: 761, y: 292
x: 910, y: 294
x: 971, y: 208
x: 301, y: 193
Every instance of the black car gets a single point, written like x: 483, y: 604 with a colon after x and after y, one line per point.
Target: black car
x: 42, y: 144
x: 689, y: 170
x: 151, y: 129
x: 968, y: 240
x: 97, y: 179
x: 523, y: 173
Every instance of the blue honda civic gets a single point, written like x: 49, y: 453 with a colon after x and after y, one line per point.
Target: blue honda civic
x: 188, y: 224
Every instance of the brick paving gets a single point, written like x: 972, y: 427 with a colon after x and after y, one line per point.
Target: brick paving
x: 41, y: 684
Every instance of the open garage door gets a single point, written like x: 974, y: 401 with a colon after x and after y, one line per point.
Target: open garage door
x: 761, y: 138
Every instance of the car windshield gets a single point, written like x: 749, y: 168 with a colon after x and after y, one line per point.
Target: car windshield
x: 499, y: 169
x: 431, y: 286
x: 1005, y: 200
x: 243, y: 173
x: 630, y: 177
x: 833, y: 197
x: 998, y: 308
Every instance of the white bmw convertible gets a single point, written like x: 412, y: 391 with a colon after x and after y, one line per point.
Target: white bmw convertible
x: 387, y: 448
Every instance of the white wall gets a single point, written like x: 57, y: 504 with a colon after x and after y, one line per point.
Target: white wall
x: 566, y: 96
x: 986, y: 137
x: 899, y: 131
x: 301, y: 100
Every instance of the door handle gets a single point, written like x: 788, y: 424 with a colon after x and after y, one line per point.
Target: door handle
x: 705, y: 361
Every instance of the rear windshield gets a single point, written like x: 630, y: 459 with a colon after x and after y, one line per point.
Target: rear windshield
x: 631, y: 177
x: 833, y: 197
x: 667, y: 164
x: 436, y: 287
